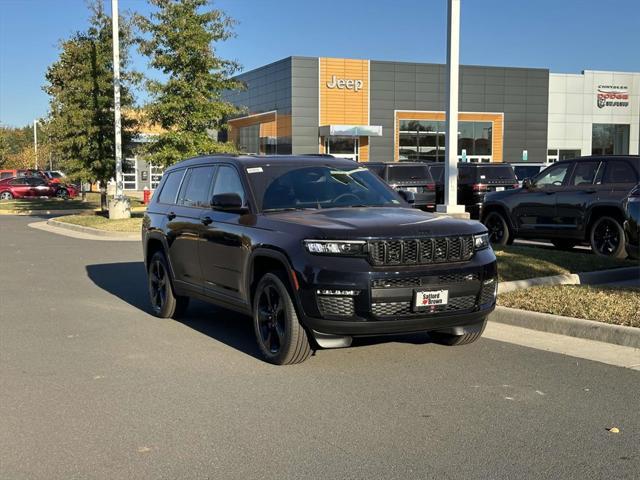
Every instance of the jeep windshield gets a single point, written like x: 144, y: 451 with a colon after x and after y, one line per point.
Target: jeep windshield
x: 288, y: 187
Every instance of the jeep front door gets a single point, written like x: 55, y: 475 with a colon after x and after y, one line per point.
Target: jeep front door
x: 536, y: 210
x: 223, y: 249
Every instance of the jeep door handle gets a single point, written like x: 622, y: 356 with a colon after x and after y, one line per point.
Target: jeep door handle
x: 207, y: 220
x: 171, y: 215
x: 590, y: 191
x: 549, y: 193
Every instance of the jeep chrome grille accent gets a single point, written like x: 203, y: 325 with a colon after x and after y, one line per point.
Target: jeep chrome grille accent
x: 420, y: 251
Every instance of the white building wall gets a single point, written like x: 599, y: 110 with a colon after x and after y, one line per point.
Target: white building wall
x: 573, y: 108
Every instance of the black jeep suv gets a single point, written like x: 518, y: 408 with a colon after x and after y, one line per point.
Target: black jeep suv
x: 317, y: 250
x: 570, y: 202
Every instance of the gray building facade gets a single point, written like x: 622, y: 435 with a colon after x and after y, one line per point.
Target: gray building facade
x: 382, y: 111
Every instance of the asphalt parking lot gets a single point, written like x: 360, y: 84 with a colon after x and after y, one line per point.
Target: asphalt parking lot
x: 93, y: 386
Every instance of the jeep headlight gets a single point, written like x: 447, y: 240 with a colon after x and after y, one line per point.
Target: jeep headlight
x: 481, y: 241
x: 335, y: 247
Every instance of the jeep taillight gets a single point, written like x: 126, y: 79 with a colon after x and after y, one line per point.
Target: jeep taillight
x: 479, y: 187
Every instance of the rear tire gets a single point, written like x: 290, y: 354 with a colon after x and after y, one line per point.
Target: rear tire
x: 6, y: 196
x: 164, y: 302
x: 281, y: 339
x: 62, y: 193
x: 499, y: 233
x: 564, y: 244
x: 455, y: 340
x: 607, y: 238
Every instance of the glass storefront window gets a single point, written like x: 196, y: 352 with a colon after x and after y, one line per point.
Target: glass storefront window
x: 610, y: 139
x: 424, y: 140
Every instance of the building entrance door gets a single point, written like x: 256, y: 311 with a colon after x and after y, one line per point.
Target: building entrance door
x: 343, y: 147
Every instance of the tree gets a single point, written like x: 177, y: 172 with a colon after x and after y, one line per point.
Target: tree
x: 80, y: 86
x: 180, y: 41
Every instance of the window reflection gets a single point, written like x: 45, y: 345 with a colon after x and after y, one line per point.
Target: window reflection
x: 424, y: 140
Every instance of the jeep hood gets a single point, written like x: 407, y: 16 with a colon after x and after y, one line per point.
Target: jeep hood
x: 371, y: 222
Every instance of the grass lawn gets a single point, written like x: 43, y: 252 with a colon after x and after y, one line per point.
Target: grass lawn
x: 126, y: 225
x: 518, y: 263
x: 92, y: 202
x: 620, y: 306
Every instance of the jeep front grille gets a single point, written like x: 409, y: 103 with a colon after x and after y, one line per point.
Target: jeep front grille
x: 399, y: 309
x: 336, y: 306
x: 420, y: 251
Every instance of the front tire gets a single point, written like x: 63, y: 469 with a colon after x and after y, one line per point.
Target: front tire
x: 164, y: 303
x: 455, y: 340
x: 499, y: 233
x: 6, y: 196
x: 607, y: 238
x: 281, y: 339
x: 62, y: 193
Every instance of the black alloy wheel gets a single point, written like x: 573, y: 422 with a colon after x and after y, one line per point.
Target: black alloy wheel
x: 62, y: 193
x: 281, y: 338
x: 498, y: 229
x: 271, y: 319
x: 607, y: 238
x: 164, y: 303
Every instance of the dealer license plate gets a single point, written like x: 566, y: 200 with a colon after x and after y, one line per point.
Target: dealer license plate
x: 431, y: 298
x: 499, y: 189
x: 411, y: 189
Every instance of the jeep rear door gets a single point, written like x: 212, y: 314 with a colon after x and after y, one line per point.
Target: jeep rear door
x: 184, y: 226
x: 573, y: 200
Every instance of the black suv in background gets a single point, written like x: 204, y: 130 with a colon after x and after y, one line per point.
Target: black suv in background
x: 475, y: 180
x: 571, y: 202
x: 408, y: 177
x: 632, y: 222
x: 317, y: 250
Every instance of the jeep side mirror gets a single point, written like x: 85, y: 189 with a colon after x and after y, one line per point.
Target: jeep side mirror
x: 408, y: 196
x: 527, y: 183
x: 228, y: 202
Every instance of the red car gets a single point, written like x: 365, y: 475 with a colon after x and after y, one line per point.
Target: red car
x: 32, y: 187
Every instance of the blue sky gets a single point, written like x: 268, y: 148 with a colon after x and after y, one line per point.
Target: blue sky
x: 562, y: 35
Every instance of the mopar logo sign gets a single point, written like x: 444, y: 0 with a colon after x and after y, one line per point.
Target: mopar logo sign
x: 342, y: 83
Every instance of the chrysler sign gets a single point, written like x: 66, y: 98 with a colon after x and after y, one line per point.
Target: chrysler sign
x: 341, y: 83
x: 612, y: 96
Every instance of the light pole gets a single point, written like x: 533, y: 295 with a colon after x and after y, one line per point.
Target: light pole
x: 35, y: 141
x: 116, y: 96
x: 451, y: 139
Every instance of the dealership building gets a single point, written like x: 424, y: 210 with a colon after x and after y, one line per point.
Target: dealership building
x: 382, y: 111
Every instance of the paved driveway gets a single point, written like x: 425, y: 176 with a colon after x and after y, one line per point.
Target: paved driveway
x: 92, y: 386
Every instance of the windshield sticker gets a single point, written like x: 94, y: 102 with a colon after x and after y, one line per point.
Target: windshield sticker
x: 254, y: 170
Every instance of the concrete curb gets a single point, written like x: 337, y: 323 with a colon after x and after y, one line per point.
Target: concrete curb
x: 75, y: 211
x: 93, y: 231
x: 572, y: 327
x: 586, y: 278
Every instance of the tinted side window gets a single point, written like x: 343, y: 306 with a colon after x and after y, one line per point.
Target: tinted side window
x: 196, y: 193
x: 228, y: 181
x: 619, y: 171
x: 6, y: 175
x: 170, y: 187
x: 584, y: 173
x: 553, y: 176
x: 19, y: 181
x: 408, y: 173
x: 36, y: 181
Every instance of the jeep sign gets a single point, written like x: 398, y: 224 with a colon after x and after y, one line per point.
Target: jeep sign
x: 342, y: 83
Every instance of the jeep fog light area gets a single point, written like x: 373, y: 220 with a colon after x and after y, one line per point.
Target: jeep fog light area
x: 317, y: 250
